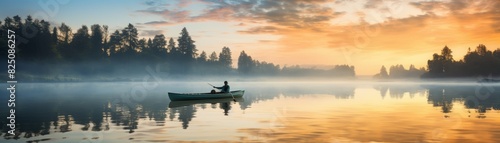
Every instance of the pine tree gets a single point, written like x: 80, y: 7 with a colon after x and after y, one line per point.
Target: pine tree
x: 213, y: 57
x: 186, y: 45
x: 186, y: 52
x: 225, y: 59
x: 383, y: 72
x: 245, y: 63
x: 96, y: 42
x: 203, y: 57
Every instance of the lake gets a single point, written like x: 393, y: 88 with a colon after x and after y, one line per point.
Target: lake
x: 268, y: 112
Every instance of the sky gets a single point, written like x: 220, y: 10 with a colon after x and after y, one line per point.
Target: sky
x: 313, y: 33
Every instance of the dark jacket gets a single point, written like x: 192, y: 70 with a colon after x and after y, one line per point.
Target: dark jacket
x: 224, y: 88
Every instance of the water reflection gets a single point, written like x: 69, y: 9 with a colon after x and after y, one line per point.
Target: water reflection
x: 44, y: 109
x: 399, y: 90
x: 475, y: 96
x: 478, y: 97
x: 224, y: 104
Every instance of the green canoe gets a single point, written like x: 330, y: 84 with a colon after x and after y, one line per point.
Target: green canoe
x: 199, y: 96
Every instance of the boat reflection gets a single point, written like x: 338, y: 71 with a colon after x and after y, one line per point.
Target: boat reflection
x: 187, y: 109
x: 175, y: 104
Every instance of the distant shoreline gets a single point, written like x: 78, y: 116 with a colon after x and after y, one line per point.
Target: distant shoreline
x: 234, y: 78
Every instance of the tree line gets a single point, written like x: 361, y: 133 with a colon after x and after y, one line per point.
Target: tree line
x: 45, y: 52
x: 248, y: 66
x: 479, y: 62
x: 399, y: 71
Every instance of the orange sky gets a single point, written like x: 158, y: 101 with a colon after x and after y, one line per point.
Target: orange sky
x: 363, y: 33
x: 366, y: 34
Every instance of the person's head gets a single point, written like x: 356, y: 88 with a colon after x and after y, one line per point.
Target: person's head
x: 225, y: 82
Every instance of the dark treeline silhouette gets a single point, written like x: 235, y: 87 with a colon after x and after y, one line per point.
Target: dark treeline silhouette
x: 47, y: 53
x: 480, y: 62
x: 399, y: 71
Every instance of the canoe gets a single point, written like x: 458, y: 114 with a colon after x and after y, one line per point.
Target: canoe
x: 199, y: 96
x: 175, y: 104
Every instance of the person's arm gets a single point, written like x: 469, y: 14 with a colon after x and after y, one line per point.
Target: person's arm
x: 218, y: 87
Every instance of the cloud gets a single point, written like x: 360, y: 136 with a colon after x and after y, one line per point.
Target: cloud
x: 496, y: 24
x: 155, y: 5
x: 432, y: 7
x: 150, y: 33
x: 177, y: 16
x: 293, y: 13
x: 150, y: 3
x: 373, y: 3
x: 184, y: 3
x: 261, y: 30
x: 486, y: 9
x: 343, y: 1
x: 156, y: 22
x: 266, y: 41
x: 290, y: 13
x: 241, y: 24
x: 215, y: 14
x: 458, y: 6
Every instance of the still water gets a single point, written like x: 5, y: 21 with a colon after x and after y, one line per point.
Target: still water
x: 268, y: 112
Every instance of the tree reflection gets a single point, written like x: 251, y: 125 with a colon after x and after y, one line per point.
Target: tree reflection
x: 438, y: 98
x: 187, y: 109
x: 66, y: 126
x: 445, y: 96
x: 478, y: 97
x: 398, y: 91
x: 226, y: 106
x: 186, y: 114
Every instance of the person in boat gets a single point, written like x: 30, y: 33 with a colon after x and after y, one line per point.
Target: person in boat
x: 224, y: 89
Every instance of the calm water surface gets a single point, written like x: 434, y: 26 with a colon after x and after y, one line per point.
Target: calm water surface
x: 268, y: 112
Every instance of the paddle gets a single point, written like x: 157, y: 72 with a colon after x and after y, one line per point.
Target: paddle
x: 229, y: 92
x: 232, y: 96
x: 210, y: 84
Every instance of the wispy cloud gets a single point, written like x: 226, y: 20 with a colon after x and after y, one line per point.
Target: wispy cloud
x: 155, y: 23
x: 261, y: 30
x: 290, y: 13
x: 373, y: 3
x: 176, y: 16
x: 150, y: 33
